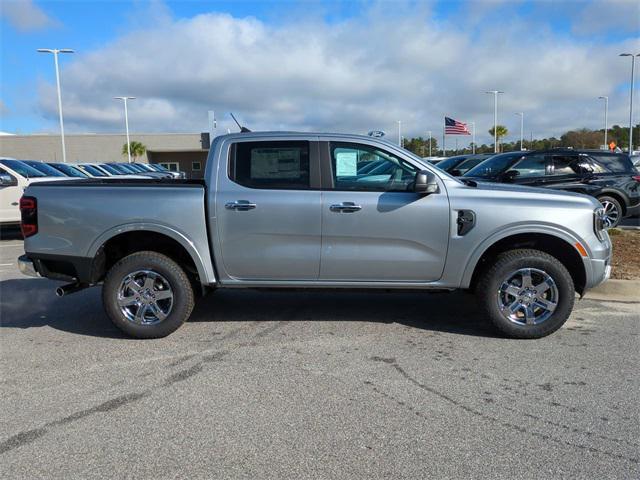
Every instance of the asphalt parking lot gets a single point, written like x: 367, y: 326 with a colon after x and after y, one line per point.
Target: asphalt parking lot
x: 312, y: 385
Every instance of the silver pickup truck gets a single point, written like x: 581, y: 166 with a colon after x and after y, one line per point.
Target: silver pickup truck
x: 306, y: 210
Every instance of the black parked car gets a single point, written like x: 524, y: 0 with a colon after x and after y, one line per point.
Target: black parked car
x: 610, y: 177
x: 461, y: 164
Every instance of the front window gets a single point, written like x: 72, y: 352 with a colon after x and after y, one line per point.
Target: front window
x: 22, y: 168
x: 271, y: 165
x: 530, y: 166
x: 366, y: 168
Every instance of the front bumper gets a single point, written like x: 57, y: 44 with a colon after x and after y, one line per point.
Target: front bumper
x: 598, y: 265
x: 26, y: 266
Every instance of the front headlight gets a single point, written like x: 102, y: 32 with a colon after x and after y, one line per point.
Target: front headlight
x: 598, y: 223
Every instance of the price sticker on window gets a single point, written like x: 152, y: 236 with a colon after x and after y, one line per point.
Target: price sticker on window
x: 346, y: 164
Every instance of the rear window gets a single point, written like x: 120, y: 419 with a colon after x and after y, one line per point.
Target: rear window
x: 618, y: 163
x: 282, y: 165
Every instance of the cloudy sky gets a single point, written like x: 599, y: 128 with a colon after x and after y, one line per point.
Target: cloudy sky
x: 348, y: 66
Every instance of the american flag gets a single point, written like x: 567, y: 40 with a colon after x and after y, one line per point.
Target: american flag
x: 454, y: 127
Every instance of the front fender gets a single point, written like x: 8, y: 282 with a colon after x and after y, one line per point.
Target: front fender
x: 525, y: 228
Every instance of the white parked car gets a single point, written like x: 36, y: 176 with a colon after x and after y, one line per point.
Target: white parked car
x: 15, y: 176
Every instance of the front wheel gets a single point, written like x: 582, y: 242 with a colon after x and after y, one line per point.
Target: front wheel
x: 526, y: 293
x: 147, y: 295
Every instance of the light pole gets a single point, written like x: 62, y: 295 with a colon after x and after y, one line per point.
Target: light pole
x: 126, y: 123
x: 495, y: 118
x: 633, y: 62
x: 473, y: 138
x: 521, y: 114
x: 55, y: 52
x: 606, y: 113
x: 429, y: 142
x: 400, y: 133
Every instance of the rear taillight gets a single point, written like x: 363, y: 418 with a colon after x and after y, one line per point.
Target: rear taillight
x: 29, y: 216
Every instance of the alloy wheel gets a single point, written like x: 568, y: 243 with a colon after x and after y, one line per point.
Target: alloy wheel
x: 145, y: 297
x: 528, y: 296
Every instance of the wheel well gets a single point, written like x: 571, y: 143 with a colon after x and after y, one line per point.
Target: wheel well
x: 127, y: 243
x: 554, y: 246
x: 618, y: 197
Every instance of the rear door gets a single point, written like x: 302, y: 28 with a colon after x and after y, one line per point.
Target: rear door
x: 374, y: 227
x: 268, y: 210
x: 10, y: 199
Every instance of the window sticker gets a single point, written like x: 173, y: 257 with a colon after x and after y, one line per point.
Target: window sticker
x: 346, y: 164
x: 275, y: 163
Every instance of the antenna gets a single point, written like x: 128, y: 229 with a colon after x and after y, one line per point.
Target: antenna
x: 242, y: 129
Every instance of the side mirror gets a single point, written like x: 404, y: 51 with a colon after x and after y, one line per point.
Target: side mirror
x: 456, y: 173
x: 7, y: 180
x: 426, y: 183
x: 510, y: 176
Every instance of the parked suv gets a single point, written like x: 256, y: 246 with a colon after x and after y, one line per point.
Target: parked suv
x: 610, y: 177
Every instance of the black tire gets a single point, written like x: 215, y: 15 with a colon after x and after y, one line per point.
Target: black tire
x: 182, y: 301
x: 611, y: 202
x: 492, y: 279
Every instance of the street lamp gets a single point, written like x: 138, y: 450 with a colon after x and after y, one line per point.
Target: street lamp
x: 55, y: 52
x: 400, y: 133
x: 606, y: 113
x: 126, y: 122
x: 429, y: 142
x: 521, y: 115
x: 495, y: 118
x: 633, y: 62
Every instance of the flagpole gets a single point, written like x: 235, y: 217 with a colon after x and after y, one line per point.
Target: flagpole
x: 444, y: 138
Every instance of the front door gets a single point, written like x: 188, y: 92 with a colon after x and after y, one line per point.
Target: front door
x: 374, y: 227
x: 268, y: 211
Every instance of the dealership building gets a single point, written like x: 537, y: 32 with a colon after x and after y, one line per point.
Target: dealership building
x: 186, y: 152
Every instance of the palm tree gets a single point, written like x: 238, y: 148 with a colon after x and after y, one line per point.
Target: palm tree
x: 137, y: 150
x: 501, y: 132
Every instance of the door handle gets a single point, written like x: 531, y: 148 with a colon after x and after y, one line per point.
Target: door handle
x: 345, y: 207
x: 240, y: 205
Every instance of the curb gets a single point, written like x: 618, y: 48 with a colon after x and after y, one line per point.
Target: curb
x: 616, y: 290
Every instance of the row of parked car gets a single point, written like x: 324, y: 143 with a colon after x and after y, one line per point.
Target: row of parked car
x: 610, y: 177
x: 16, y: 175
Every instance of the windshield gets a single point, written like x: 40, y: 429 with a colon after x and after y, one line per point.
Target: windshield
x: 469, y: 163
x: 22, y: 169
x: 69, y: 170
x: 137, y: 168
x: 111, y: 169
x: 96, y: 172
x: 124, y: 167
x: 450, y: 163
x: 48, y: 170
x: 493, y: 165
x: 158, y: 167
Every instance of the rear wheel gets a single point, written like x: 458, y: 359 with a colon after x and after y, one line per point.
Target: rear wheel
x: 147, y: 295
x: 526, y: 293
x: 612, y: 211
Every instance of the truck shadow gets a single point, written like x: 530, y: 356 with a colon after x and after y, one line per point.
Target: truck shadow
x: 31, y: 303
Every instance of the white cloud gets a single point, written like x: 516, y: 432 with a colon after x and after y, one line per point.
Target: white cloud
x: 356, y: 75
x: 25, y: 16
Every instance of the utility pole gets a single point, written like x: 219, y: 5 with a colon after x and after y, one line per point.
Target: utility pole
x: 55, y: 53
x: 606, y: 114
x: 495, y: 118
x: 400, y: 133
x: 126, y: 123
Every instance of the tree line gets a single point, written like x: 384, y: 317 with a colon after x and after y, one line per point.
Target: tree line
x: 581, y: 138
